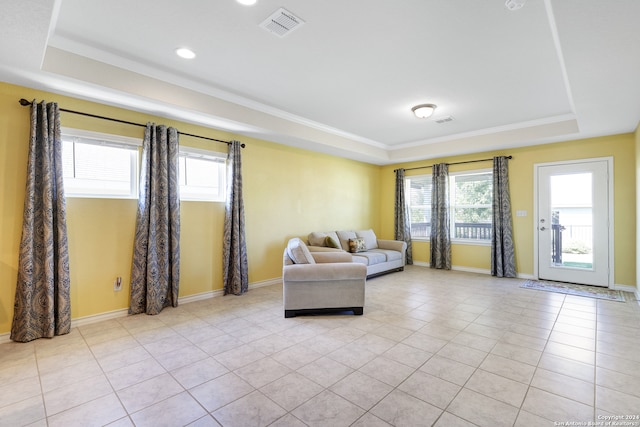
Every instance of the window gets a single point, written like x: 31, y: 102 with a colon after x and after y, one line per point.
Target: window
x: 104, y: 165
x: 470, y: 205
x: 470, y: 199
x: 99, y: 165
x: 418, y: 190
x: 202, y: 175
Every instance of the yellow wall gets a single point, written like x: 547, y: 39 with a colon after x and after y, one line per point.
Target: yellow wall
x: 521, y: 174
x: 287, y: 192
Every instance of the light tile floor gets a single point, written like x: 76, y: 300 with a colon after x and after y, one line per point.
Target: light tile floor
x: 441, y: 348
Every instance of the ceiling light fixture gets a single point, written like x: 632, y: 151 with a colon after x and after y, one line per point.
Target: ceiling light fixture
x: 514, y: 4
x: 185, y: 53
x: 247, y: 2
x: 424, y: 111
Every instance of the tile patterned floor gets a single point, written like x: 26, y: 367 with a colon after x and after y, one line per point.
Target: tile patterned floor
x: 433, y: 348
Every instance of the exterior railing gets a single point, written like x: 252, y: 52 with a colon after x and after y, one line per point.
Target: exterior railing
x: 482, y: 231
x: 474, y: 231
x: 583, y: 233
x: 421, y: 229
x: 556, y: 243
x: 462, y: 230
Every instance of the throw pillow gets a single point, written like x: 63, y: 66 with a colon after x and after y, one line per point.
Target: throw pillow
x: 369, y: 237
x: 343, y: 238
x: 357, y: 245
x: 331, y: 243
x: 317, y: 239
x: 298, y: 252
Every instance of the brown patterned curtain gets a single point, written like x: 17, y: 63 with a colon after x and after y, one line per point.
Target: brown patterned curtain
x: 155, y: 275
x: 234, y: 251
x: 402, y: 223
x: 42, y: 304
x: 503, y: 262
x: 440, y: 256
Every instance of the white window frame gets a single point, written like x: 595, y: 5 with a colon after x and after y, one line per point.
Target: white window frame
x: 213, y: 156
x: 111, y: 140
x: 452, y: 206
x: 408, y: 198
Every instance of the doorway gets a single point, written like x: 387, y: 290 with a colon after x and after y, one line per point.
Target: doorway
x: 573, y: 229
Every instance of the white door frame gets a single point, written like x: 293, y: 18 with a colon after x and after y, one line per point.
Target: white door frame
x: 536, y: 166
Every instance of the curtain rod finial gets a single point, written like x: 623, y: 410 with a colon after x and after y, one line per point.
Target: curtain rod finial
x: 24, y: 102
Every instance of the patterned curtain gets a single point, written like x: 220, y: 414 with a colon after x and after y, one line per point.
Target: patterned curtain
x: 155, y: 275
x: 42, y: 305
x: 402, y: 230
x: 440, y: 235
x: 235, y: 266
x: 502, y: 250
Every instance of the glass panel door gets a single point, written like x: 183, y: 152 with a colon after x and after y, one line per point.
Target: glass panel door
x: 573, y: 222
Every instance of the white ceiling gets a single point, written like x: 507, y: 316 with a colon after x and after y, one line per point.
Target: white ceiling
x: 344, y: 82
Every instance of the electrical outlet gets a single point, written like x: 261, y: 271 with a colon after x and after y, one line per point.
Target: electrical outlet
x: 117, y: 284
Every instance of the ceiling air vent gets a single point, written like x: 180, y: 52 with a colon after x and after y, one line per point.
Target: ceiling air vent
x: 281, y: 22
x: 446, y: 119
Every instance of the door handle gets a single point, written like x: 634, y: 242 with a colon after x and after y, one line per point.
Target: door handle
x: 542, y: 228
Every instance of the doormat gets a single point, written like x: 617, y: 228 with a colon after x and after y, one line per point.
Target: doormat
x: 573, y: 289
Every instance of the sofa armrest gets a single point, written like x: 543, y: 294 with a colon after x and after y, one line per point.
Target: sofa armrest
x: 334, y: 256
x: 324, y: 272
x: 394, y: 245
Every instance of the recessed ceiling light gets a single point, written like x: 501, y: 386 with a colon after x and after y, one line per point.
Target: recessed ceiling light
x: 247, y: 2
x: 185, y: 53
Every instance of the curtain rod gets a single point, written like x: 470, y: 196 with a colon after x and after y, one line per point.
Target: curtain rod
x: 454, y: 163
x: 25, y: 103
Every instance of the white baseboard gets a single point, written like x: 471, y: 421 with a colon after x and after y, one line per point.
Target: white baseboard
x: 631, y: 289
x: 201, y: 296
x: 94, y: 318
x: 471, y: 269
x: 268, y: 282
x: 625, y: 288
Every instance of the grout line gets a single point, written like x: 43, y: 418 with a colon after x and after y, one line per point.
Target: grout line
x: 267, y: 300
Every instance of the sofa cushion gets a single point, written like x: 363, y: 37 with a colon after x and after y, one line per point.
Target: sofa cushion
x: 357, y: 245
x: 358, y: 259
x: 324, y: 257
x: 314, y: 249
x: 344, y: 236
x: 369, y: 237
x: 389, y: 254
x: 298, y: 252
x: 318, y: 238
x: 330, y: 242
x: 372, y: 257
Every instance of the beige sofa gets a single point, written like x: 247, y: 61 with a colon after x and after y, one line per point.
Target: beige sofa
x: 379, y: 255
x: 320, y: 281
